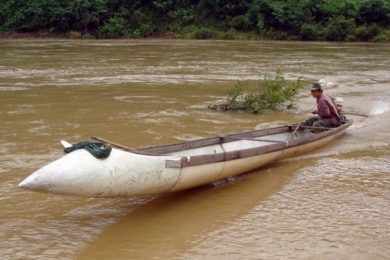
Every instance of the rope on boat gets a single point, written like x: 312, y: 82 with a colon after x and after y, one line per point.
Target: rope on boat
x: 97, y: 149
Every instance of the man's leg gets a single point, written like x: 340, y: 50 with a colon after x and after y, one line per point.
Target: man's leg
x: 310, y: 121
x: 323, y: 123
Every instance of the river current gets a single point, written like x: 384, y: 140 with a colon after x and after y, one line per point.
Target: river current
x: 333, y: 203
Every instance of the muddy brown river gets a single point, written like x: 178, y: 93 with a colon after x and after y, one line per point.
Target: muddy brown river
x: 333, y: 203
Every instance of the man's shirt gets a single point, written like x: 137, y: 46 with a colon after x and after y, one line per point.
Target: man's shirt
x: 326, y: 108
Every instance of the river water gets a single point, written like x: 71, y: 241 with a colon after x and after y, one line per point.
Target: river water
x: 330, y: 204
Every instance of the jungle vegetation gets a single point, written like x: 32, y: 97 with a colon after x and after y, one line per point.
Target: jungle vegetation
x: 332, y: 20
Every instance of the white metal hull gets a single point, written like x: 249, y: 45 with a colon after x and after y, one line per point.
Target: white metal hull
x: 129, y: 174
x: 199, y: 175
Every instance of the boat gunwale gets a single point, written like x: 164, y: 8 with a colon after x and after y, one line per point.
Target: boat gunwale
x: 250, y: 152
x: 196, y: 160
x: 163, y: 150
x: 203, y: 142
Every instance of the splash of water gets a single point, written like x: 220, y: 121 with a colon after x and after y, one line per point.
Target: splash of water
x: 379, y: 107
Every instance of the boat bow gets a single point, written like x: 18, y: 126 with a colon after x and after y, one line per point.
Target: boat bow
x: 121, y: 174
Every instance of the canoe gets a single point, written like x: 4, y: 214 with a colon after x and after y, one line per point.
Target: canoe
x: 174, y: 167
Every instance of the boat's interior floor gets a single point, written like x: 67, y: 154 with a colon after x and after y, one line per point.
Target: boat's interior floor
x: 243, y: 144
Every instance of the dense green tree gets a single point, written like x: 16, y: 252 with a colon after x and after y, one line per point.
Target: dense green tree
x: 339, y: 28
x: 374, y: 11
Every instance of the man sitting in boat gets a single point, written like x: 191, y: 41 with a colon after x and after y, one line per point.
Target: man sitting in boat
x: 327, y: 114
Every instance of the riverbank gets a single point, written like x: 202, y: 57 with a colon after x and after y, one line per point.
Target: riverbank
x: 361, y: 35
x: 74, y: 35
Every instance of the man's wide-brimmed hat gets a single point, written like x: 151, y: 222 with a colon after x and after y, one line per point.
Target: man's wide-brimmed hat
x: 316, y: 87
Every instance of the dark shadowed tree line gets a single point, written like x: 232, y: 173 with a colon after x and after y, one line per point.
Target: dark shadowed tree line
x: 334, y: 20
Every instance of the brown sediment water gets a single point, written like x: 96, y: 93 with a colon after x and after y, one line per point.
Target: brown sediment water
x: 330, y: 204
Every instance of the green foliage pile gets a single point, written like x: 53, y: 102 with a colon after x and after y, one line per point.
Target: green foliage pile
x: 272, y: 93
x: 334, y: 20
